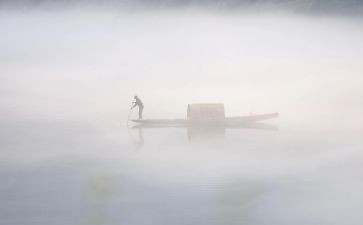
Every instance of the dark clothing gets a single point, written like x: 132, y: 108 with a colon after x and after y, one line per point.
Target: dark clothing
x: 141, y: 108
x: 139, y: 103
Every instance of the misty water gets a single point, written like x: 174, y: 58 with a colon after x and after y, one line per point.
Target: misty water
x: 68, y: 78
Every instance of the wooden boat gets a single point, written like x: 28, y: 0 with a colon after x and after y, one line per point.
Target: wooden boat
x: 228, y: 121
x: 208, y: 114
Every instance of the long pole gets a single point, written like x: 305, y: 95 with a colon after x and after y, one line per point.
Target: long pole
x: 128, y: 117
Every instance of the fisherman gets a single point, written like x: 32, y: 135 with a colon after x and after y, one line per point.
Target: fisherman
x: 138, y: 103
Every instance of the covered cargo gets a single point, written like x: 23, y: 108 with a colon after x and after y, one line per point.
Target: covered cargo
x: 206, y: 112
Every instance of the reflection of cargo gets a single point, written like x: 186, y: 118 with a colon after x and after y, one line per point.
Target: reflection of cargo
x: 208, y: 114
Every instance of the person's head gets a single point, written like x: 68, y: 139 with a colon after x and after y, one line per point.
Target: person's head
x: 135, y: 97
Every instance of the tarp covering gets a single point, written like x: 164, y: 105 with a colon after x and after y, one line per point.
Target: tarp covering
x: 212, y: 111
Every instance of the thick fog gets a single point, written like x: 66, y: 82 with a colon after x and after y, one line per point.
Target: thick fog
x: 68, y: 74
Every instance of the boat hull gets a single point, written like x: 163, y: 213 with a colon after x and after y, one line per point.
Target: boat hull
x: 230, y: 121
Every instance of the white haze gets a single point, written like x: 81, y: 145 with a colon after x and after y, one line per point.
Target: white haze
x: 67, y: 79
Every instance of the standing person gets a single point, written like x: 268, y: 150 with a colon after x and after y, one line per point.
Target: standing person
x: 138, y: 103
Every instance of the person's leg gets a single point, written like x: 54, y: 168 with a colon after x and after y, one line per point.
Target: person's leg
x: 140, y: 112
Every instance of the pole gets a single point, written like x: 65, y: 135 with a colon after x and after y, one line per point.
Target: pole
x: 128, y: 117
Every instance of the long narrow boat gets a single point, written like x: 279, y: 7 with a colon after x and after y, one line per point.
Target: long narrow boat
x: 230, y: 121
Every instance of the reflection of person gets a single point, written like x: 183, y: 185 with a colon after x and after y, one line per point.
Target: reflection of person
x: 138, y: 103
x: 140, y: 143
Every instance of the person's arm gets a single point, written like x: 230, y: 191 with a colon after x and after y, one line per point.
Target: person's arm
x: 134, y: 105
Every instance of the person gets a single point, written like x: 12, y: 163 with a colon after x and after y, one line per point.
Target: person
x: 138, y: 103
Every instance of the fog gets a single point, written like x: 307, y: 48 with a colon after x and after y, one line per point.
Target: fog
x: 68, y: 76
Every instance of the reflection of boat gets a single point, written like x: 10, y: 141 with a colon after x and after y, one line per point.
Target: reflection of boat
x: 205, y: 132
x: 211, y: 114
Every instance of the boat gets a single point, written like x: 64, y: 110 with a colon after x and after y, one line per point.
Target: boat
x: 208, y: 114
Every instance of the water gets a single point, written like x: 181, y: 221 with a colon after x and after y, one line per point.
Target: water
x: 67, y: 81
